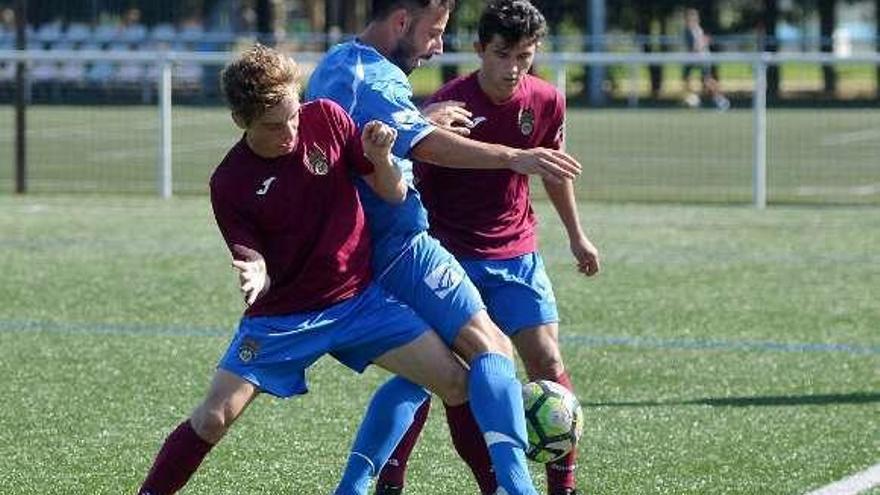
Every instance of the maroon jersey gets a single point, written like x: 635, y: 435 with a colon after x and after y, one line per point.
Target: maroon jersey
x: 486, y: 214
x: 301, y: 212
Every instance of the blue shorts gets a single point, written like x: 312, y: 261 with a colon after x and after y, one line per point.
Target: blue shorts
x: 517, y: 291
x: 273, y: 352
x: 432, y: 282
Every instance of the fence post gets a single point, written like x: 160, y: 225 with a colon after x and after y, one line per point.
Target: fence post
x: 164, y: 180
x: 560, y: 75
x: 21, y: 99
x: 632, y: 99
x: 759, y: 133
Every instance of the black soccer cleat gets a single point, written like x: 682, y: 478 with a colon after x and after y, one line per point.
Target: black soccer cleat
x: 386, y: 489
x: 566, y: 491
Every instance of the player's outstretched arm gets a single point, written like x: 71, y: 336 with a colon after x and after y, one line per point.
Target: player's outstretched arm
x: 447, y: 149
x: 585, y: 253
x: 386, y: 179
x: 253, y: 278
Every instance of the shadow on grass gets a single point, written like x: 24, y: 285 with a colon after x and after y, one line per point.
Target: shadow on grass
x: 761, y: 400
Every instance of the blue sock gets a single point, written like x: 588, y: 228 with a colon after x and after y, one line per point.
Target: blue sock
x: 496, y: 401
x: 388, y: 417
x: 356, y: 479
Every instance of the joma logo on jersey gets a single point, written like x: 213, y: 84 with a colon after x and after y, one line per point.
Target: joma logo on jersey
x: 476, y: 121
x: 443, y: 279
x: 265, y: 188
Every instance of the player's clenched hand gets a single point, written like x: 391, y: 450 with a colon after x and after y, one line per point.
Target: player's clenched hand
x: 586, y: 255
x: 377, y: 138
x: 386, y: 179
x: 252, y: 275
x: 553, y: 165
x: 450, y: 115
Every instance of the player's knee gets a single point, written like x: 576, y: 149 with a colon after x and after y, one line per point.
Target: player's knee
x: 546, y: 366
x: 454, y: 390
x: 480, y: 335
x: 210, y: 422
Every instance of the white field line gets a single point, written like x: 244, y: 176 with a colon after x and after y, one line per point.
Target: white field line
x: 864, y: 190
x: 39, y: 130
x: 141, y: 152
x: 851, y: 485
x: 851, y: 137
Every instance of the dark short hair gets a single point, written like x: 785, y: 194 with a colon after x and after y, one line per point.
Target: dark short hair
x: 381, y: 8
x: 513, y: 20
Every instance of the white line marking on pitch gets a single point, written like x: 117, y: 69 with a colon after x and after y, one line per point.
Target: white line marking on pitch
x: 857, y: 483
x: 865, y: 190
x: 851, y: 137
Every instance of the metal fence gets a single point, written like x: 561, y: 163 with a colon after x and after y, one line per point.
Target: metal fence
x: 158, y: 129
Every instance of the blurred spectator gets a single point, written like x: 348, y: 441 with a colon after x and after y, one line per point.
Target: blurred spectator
x: 7, y: 21
x: 244, y: 19
x: 192, y: 32
x: 49, y: 33
x: 697, y: 41
x: 130, y: 28
x: 77, y: 33
x: 7, y: 41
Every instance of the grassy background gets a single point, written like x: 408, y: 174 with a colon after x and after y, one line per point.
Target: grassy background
x: 815, y: 156
x: 722, y: 350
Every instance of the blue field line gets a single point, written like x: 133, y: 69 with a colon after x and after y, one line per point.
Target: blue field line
x: 728, y: 345
x: 568, y: 340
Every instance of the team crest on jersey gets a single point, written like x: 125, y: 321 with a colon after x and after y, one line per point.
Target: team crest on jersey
x: 316, y: 161
x: 248, y: 350
x: 526, y: 121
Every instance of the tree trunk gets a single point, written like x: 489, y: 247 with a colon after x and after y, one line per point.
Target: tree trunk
x: 554, y: 11
x: 827, y: 20
x: 657, y: 70
x: 334, y: 13
x: 709, y: 16
x: 769, y: 43
x: 450, y: 72
x: 643, y: 31
x: 265, y: 22
x: 315, y: 12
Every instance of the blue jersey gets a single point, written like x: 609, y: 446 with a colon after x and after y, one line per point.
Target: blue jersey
x: 369, y: 87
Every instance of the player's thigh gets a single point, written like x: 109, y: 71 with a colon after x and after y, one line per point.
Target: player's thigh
x: 227, y: 398
x: 433, y: 283
x: 538, y: 347
x: 428, y: 362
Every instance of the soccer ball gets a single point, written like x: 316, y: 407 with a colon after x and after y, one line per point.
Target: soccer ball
x: 554, y: 420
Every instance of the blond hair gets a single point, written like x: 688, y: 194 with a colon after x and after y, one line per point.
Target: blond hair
x: 258, y: 79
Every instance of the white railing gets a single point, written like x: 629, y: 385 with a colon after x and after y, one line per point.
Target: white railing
x: 558, y: 62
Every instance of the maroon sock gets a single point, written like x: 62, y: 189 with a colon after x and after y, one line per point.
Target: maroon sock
x: 560, y: 473
x: 394, y: 471
x: 175, y: 463
x: 470, y: 445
